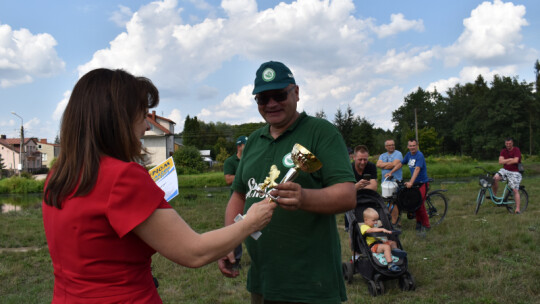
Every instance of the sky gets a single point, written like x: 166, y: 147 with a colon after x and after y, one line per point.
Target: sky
x: 203, y: 54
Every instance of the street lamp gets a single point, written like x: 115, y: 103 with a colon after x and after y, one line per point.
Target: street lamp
x: 22, y: 144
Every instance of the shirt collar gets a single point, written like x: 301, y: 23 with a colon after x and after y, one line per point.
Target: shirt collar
x: 266, y: 131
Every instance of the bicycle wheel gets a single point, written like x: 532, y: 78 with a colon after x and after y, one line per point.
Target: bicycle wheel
x: 480, y: 199
x: 524, y: 200
x: 436, y: 207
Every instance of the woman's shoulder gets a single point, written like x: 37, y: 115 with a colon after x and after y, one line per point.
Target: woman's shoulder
x: 111, y: 164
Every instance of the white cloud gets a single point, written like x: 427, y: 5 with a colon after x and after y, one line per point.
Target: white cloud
x: 176, y: 116
x: 239, y: 7
x: 405, y: 63
x: 159, y: 45
x: 398, y: 24
x: 492, y: 31
x: 121, y: 16
x: 25, y: 56
x: 469, y: 74
x: 323, y: 42
x: 235, y: 107
x: 61, y: 106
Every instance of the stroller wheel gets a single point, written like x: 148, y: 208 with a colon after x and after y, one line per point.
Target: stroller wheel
x: 348, y: 271
x: 412, y: 284
x: 380, y: 287
x: 403, y: 283
x: 372, y: 287
x: 406, y: 282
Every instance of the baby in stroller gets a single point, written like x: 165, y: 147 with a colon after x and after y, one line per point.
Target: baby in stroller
x: 380, y: 244
x: 374, y: 267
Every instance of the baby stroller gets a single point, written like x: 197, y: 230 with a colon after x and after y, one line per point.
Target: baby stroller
x: 368, y: 264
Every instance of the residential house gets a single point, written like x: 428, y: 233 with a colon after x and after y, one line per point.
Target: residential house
x: 159, y: 140
x: 10, y: 151
x: 48, y: 152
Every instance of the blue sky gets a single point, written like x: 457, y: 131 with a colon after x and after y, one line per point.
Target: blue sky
x: 202, y: 55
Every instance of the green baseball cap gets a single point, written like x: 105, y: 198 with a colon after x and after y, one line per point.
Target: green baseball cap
x: 241, y: 140
x: 272, y: 75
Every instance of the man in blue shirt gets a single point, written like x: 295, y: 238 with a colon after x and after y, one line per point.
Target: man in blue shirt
x: 387, y: 161
x: 417, y: 166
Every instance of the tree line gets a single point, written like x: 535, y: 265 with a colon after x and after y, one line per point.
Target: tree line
x: 472, y: 119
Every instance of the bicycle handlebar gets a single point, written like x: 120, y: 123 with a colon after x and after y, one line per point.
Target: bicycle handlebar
x: 492, y: 173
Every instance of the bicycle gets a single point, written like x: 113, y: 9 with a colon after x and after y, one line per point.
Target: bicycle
x: 507, y: 198
x: 436, y: 203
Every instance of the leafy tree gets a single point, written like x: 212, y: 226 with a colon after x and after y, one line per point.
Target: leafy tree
x: 246, y: 129
x: 429, y: 141
x: 362, y: 133
x: 345, y: 123
x: 191, y: 132
x: 421, y: 102
x: 223, y: 145
x: 320, y: 114
x: 223, y: 155
x: 188, y: 160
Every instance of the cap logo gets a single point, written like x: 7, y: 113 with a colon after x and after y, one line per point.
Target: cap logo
x: 268, y: 74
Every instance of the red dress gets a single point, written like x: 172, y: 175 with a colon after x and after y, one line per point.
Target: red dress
x: 96, y: 258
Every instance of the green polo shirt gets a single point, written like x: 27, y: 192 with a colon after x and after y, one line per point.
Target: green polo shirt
x: 298, y: 256
x: 230, y: 165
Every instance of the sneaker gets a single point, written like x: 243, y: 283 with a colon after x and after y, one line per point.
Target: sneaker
x: 393, y: 267
x: 399, y: 253
x: 421, y: 232
x: 418, y: 226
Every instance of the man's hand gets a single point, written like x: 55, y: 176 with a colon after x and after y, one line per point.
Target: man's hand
x: 225, y: 266
x: 362, y: 184
x: 408, y: 184
x: 289, y: 195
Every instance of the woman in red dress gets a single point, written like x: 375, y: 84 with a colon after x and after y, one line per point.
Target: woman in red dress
x: 104, y: 216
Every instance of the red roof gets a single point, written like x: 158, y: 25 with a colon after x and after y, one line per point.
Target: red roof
x: 152, y: 119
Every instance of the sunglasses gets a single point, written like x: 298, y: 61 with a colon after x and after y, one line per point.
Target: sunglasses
x: 279, y: 96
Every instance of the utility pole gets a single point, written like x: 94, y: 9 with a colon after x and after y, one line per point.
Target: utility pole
x: 416, y: 128
x: 21, y: 150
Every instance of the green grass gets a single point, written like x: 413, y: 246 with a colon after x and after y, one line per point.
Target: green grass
x: 492, y: 257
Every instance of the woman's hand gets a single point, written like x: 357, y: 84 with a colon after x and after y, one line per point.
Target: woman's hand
x: 260, y: 214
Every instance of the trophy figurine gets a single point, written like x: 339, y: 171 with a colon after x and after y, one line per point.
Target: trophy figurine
x: 303, y: 160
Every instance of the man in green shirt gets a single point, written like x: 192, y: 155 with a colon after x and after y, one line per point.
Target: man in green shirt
x: 298, y: 256
x: 231, y: 164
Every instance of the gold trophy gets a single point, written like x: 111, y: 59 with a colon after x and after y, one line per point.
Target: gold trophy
x: 303, y: 160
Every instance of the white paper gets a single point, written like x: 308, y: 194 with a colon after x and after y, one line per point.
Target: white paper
x: 164, y: 175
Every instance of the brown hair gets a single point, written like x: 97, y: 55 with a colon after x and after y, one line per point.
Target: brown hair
x: 98, y: 121
x: 361, y: 148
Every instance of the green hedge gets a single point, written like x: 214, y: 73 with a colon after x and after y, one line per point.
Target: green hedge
x: 19, y: 185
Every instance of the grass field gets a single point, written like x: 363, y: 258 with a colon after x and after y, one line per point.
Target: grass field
x: 492, y: 257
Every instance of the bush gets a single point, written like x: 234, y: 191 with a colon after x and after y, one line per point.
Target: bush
x: 17, y: 184
x: 188, y: 160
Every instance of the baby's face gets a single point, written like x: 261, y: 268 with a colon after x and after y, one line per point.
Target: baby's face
x: 371, y: 221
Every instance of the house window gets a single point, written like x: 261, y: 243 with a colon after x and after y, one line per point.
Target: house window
x: 43, y: 157
x: 39, y: 146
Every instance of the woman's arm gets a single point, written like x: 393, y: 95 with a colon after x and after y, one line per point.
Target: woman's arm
x: 172, y: 237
